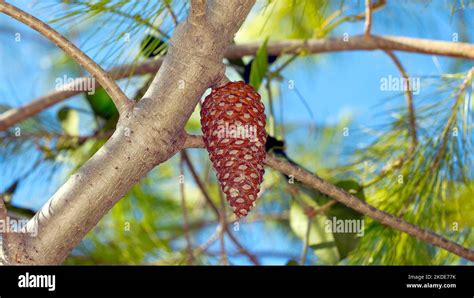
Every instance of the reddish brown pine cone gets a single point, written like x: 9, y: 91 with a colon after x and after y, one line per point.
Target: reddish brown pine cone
x: 233, y: 123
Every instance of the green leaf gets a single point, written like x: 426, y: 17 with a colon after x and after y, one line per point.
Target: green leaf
x: 152, y: 46
x: 460, y: 208
x: 101, y: 104
x: 292, y: 263
x: 317, y: 233
x: 331, y: 245
x: 259, y: 66
x: 69, y: 120
x: 323, y: 245
x: 347, y: 241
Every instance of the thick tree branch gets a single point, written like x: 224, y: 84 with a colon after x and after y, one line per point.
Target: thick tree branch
x: 395, y: 43
x: 147, y: 135
x: 3, y: 211
x: 12, y: 241
x: 120, y: 99
x: 3, y: 219
x: 198, y: 9
x: 353, y: 202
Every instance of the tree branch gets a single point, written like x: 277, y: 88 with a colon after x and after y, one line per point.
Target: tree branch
x: 146, y: 136
x: 3, y: 219
x: 198, y: 9
x: 171, y: 12
x: 185, y: 210
x: 153, y: 131
x: 368, y: 17
x: 356, y: 43
x: 3, y: 211
x: 11, y: 244
x: 120, y: 99
x: 395, y: 43
x: 13, y: 116
x: 353, y: 202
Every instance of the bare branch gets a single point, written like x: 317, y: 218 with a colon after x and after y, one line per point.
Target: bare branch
x: 353, y: 202
x: 120, y: 99
x: 358, y: 42
x: 223, y: 223
x: 185, y: 210
x: 304, y: 251
x: 13, y: 116
x: 409, y: 100
x: 171, y: 12
x: 395, y: 43
x: 368, y: 17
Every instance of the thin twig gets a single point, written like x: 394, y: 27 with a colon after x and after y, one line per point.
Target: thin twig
x: 223, y: 223
x: 136, y: 18
x: 353, y: 202
x: 213, y: 206
x: 306, y: 242
x: 105, y: 80
x: 398, y: 163
x: 171, y: 11
x: 204, y: 247
x: 310, y: 214
x: 270, y: 103
x: 185, y: 210
x: 409, y: 100
x: 13, y: 116
x: 285, y: 64
x: 199, y: 250
x: 452, y: 118
x: 353, y: 18
x: 368, y: 17
x: 252, y: 218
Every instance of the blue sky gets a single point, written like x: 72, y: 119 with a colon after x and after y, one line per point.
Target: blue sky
x: 334, y: 85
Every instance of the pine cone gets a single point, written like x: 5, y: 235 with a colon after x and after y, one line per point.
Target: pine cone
x: 233, y: 123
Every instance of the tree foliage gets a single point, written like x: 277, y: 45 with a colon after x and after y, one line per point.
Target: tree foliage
x: 431, y: 187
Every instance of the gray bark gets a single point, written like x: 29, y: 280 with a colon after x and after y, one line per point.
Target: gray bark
x: 151, y: 132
